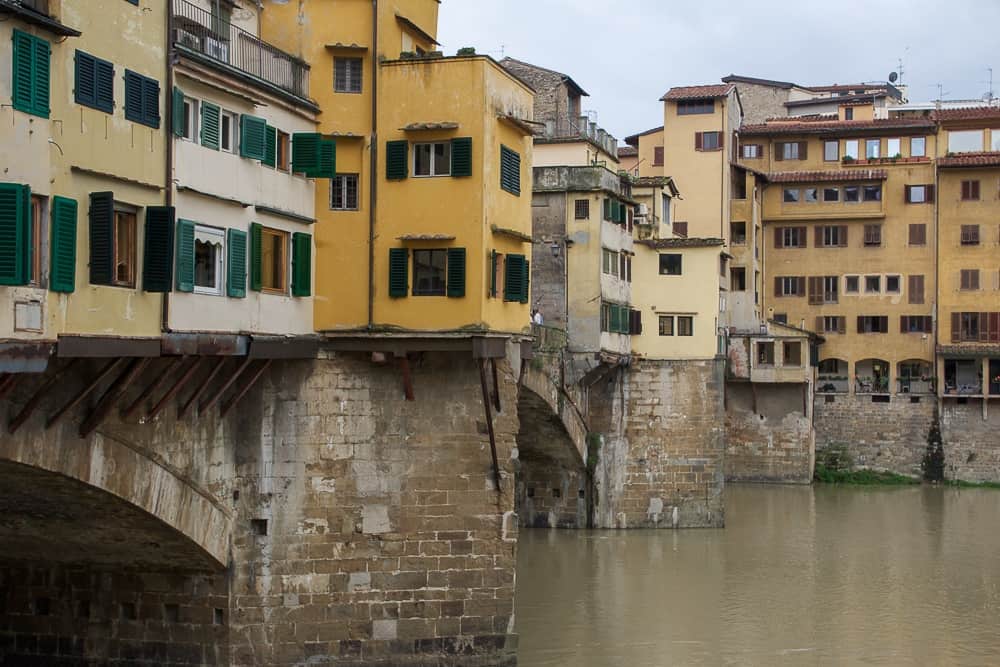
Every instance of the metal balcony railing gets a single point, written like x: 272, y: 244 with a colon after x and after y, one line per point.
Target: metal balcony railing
x: 213, y: 35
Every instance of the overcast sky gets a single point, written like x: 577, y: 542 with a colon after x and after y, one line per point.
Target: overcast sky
x: 627, y: 53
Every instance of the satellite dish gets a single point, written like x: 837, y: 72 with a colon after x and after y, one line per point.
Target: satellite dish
x: 893, y: 77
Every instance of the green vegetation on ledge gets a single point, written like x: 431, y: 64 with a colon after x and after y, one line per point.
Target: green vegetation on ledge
x: 861, y: 477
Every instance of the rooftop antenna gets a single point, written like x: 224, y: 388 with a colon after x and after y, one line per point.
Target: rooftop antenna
x: 989, y: 92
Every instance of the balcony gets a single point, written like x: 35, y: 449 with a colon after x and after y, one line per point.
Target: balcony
x: 214, y: 36
x: 915, y: 386
x: 833, y: 384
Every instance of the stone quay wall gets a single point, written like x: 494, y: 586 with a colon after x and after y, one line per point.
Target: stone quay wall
x: 769, y: 433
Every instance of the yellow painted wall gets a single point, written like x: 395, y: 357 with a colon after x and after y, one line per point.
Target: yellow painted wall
x: 647, y: 144
x: 577, y: 153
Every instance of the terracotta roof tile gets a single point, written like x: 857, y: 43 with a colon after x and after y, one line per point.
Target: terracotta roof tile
x: 968, y: 113
x: 627, y: 151
x: 991, y: 159
x: 794, y: 126
x: 697, y: 92
x: 828, y: 176
x: 657, y: 244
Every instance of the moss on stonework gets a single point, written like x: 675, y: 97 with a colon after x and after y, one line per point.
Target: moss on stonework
x: 861, y: 477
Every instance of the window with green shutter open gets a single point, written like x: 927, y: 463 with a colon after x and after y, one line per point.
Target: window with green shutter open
x: 211, y: 117
x: 301, y: 264
x: 268, y: 259
x: 94, y: 82
x: 396, y: 160
x: 253, y: 137
x: 142, y: 99
x: 510, y: 171
x: 62, y: 262
x: 515, y: 285
x: 399, y: 262
x: 15, y: 234
x: 236, y: 263
x: 461, y: 157
x: 157, y: 249
x: 313, y: 155
x: 31, y: 73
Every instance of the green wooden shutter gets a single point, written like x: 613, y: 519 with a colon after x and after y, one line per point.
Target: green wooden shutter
x: 185, y: 256
x: 256, y: 251
x: 133, y: 96
x: 102, y: 252
x: 85, y: 79
x: 456, y: 272
x: 30, y: 80
x: 62, y: 265
x: 493, y: 273
x: 150, y: 102
x: 301, y: 264
x: 510, y: 171
x: 526, y: 282
x: 236, y: 263
x: 42, y: 53
x: 396, y: 160
x: 157, y: 249
x: 399, y: 272
x: 177, y: 111
x: 461, y: 156
x: 514, y: 279
x: 15, y: 234
x: 327, y: 160
x: 104, y: 77
x: 253, y: 137
x: 607, y: 209
x: 210, y: 122
x: 306, y: 152
x: 270, y: 146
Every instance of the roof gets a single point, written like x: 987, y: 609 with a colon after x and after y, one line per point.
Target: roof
x: 682, y: 93
x: 968, y: 113
x: 843, y: 99
x: 838, y: 87
x: 633, y: 139
x: 828, y: 176
x: 839, y: 127
x: 628, y: 151
x: 426, y: 36
x: 660, y: 244
x: 736, y: 78
x: 984, y: 159
x: 567, y: 79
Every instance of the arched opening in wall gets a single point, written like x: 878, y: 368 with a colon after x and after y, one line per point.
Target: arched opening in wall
x: 915, y: 377
x: 871, y: 376
x: 833, y: 377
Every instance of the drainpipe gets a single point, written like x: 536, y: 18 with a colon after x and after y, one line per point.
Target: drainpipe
x: 373, y: 169
x: 169, y: 132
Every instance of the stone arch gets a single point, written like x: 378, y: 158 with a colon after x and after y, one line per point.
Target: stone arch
x: 539, y: 395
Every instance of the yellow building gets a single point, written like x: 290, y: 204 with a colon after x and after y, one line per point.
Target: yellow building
x: 438, y: 151
x: 848, y: 244
x: 969, y: 274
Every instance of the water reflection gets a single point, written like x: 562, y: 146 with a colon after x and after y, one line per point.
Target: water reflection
x: 800, y: 576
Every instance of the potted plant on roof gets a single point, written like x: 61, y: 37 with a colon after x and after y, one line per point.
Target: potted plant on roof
x: 848, y: 159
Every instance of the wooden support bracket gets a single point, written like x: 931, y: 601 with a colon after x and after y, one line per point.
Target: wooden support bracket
x: 496, y: 385
x: 236, y: 398
x: 153, y: 386
x: 201, y: 388
x: 112, y: 395
x: 61, y: 412
x: 7, y: 382
x: 205, y: 406
x: 178, y: 385
x: 36, y: 399
x: 489, y: 424
x: 404, y: 366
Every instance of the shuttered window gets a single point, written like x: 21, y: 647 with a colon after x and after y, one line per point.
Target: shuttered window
x: 185, y: 256
x: 94, y: 84
x: 873, y: 236
x: 30, y: 80
x: 461, y: 156
x: 327, y: 160
x: 969, y: 279
x: 397, y: 156
x: 919, y: 194
x: 15, y: 234
x: 970, y: 234
x: 142, y: 99
x: 62, y: 263
x: 178, y: 114
x: 918, y: 234
x: 314, y: 156
x: 970, y: 190
x: 510, y: 171
x: 456, y: 272
x: 515, y: 284
x: 253, y: 137
x: 915, y: 289
x: 270, y: 146
x: 915, y: 324
x: 102, y: 221
x: 211, y: 116
x: 157, y: 249
x: 301, y: 264
x: 399, y: 271
x: 236, y: 263
x: 256, y: 242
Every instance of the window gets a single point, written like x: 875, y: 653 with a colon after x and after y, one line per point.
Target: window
x: 739, y: 181
x: 347, y: 75
x: 873, y: 324
x: 918, y: 234
x: 995, y: 140
x: 810, y: 195
x: 123, y: 244
x: 738, y: 233
x: 894, y: 148
x: 916, y: 324
x: 429, y: 272
x: 790, y: 286
x: 657, y: 156
x: 670, y: 265
x: 142, y: 99
x: 228, y: 122
x: 274, y: 260
x: 966, y: 327
x: 209, y: 245
x: 830, y: 284
x: 610, y: 262
x: 915, y: 289
x: 792, y: 150
x: 792, y: 195
x: 873, y: 236
x: 872, y: 147
x: 738, y: 279
x: 94, y: 85
x: 969, y: 279
x: 581, y: 209
x: 189, y: 128
x: 831, y: 151
x: 918, y: 146
x: 666, y: 325
x: 752, y: 151
x: 433, y: 159
x: 685, y: 325
x: 849, y: 113
x: 708, y: 141
x: 283, y: 153
x: 970, y: 190
x: 781, y: 318
x: 852, y: 193
x: 851, y: 148
x: 692, y: 107
x: 892, y: 284
x: 791, y: 353
x: 30, y: 82
x: 833, y: 324
x: 831, y: 194
x: 872, y: 193
x: 39, y: 209
x: 873, y: 284
x: 970, y: 234
x: 919, y: 194
x: 510, y: 171
x: 344, y: 192
x: 790, y: 237
x: 851, y: 284
x: 832, y: 236
x: 967, y: 141
x: 765, y: 353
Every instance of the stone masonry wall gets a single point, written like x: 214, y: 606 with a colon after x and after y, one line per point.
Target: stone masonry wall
x: 971, y: 442
x: 881, y: 436
x: 551, y: 495
x: 548, y: 271
x: 769, y: 438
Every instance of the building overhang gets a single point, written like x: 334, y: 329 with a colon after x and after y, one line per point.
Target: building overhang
x: 420, y: 32
x: 13, y: 8
x: 25, y: 356
x: 481, y: 345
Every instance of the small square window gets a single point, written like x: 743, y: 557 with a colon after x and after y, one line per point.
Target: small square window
x: 429, y: 267
x: 685, y: 325
x: 892, y: 284
x: 738, y: 233
x: 670, y: 265
x: 347, y: 75
x: 710, y: 141
x: 873, y: 284
x: 666, y: 325
x: 873, y: 192
x: 209, y: 243
x: 581, y: 209
x: 344, y: 192
x: 791, y: 195
x: 432, y: 159
x: 852, y: 193
x: 831, y: 194
x: 851, y: 284
x: 791, y: 353
x: 765, y: 353
x: 810, y: 195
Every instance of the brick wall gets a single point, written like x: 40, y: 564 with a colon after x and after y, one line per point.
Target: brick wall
x: 971, y: 442
x: 769, y: 438
x: 550, y: 495
x: 548, y: 271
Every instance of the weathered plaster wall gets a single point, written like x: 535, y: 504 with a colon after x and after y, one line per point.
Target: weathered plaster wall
x: 769, y: 435
x: 971, y: 444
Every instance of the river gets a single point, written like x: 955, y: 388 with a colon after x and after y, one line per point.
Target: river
x: 800, y: 576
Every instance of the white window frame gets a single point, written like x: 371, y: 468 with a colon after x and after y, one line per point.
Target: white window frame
x: 922, y: 142
x: 343, y: 179
x: 610, y: 263
x: 433, y: 159
x: 751, y: 151
x: 192, y: 116
x: 790, y: 150
x: 852, y: 148
x: 912, y: 196
x: 889, y: 143
x: 995, y: 139
x: 875, y: 144
x: 211, y: 234
x: 865, y: 285
x: 233, y: 133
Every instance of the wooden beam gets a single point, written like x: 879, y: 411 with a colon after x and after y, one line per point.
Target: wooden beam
x: 201, y: 389
x: 205, y: 406
x: 111, y: 396
x: 496, y: 385
x: 7, y: 383
x: 236, y: 398
x: 36, y: 399
x: 154, y: 386
x: 105, y: 372
x: 404, y: 366
x: 489, y: 423
x: 177, y: 386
